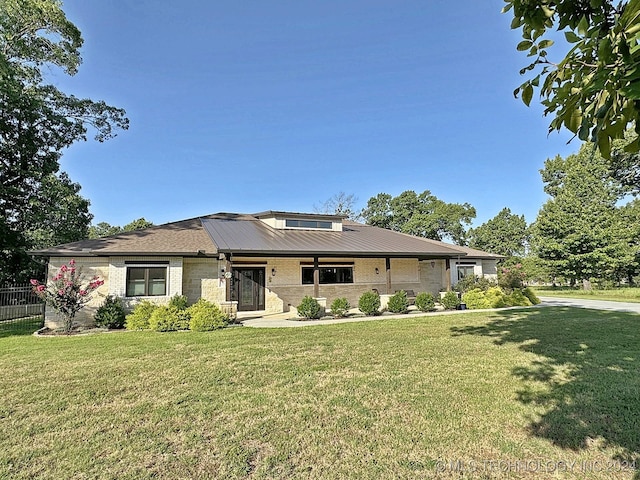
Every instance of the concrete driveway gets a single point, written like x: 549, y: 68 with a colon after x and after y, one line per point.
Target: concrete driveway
x: 594, y: 304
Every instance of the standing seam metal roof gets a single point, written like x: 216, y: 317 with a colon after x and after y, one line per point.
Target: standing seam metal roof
x: 248, y: 235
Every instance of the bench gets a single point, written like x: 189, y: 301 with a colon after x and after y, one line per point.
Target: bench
x: 411, y: 296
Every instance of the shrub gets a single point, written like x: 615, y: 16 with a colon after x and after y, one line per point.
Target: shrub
x: 111, y: 313
x: 425, y: 302
x: 517, y: 299
x: 168, y: 318
x: 138, y: 319
x: 178, y: 301
x: 450, y: 301
x: 475, y: 299
x: 340, y: 307
x: 511, y: 278
x: 496, y: 297
x: 369, y: 303
x: 398, y: 303
x: 309, y: 308
x: 533, y: 298
x: 206, y: 316
x: 472, y: 282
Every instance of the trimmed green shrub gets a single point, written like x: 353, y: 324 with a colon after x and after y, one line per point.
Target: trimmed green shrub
x: 309, y: 308
x: 398, y: 303
x: 369, y: 303
x: 178, y: 301
x: 472, y: 282
x: 340, y: 307
x: 517, y: 299
x: 168, y: 318
x: 139, y: 317
x: 425, y: 302
x: 206, y: 316
x: 450, y: 301
x: 496, y: 297
x: 533, y: 298
x: 475, y: 299
x: 111, y: 313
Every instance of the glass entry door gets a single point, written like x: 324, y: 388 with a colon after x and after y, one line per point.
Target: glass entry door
x: 249, y: 288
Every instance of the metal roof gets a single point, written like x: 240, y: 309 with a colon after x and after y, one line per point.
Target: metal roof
x: 250, y: 236
x: 242, y: 234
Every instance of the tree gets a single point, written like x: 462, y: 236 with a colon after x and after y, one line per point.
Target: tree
x: 56, y: 213
x: 421, y: 215
x: 579, y: 232
x: 37, y: 121
x: 594, y: 91
x: 340, y: 204
x: 505, y: 234
x: 103, y: 229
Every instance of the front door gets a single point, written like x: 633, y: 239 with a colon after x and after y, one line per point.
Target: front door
x: 249, y: 288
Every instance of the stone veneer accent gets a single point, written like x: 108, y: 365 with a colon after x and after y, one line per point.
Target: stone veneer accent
x: 201, y: 279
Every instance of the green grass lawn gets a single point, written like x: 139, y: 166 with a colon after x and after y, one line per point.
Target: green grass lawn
x: 627, y: 294
x: 496, y: 394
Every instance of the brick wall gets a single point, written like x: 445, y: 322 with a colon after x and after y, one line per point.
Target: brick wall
x: 90, y: 266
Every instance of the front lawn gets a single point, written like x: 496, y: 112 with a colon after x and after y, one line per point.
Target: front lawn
x: 626, y: 294
x: 491, y: 394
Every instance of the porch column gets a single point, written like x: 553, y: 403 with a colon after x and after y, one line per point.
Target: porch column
x: 387, y: 262
x: 228, y: 266
x: 447, y: 264
x: 316, y: 278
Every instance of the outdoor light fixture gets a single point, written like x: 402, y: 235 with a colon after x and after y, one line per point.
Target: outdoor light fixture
x: 273, y: 272
x: 433, y: 264
x: 377, y: 271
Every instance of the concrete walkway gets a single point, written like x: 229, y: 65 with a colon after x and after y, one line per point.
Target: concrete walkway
x: 284, y: 319
x: 593, y: 304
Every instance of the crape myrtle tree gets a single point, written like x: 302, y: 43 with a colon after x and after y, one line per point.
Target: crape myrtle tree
x: 582, y: 232
x: 594, y: 90
x: 37, y: 121
x: 422, y: 215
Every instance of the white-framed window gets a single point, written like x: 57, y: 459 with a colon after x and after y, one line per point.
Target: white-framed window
x: 465, y: 271
x: 147, y: 280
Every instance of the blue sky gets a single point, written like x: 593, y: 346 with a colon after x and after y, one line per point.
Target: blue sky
x: 245, y: 106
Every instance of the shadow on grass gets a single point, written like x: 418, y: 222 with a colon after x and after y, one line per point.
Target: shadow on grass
x: 587, y: 376
x: 21, y: 326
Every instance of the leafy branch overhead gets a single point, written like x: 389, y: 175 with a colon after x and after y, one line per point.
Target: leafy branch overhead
x: 37, y: 122
x: 594, y: 91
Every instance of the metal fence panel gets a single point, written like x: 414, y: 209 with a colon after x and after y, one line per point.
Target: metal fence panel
x: 19, y: 301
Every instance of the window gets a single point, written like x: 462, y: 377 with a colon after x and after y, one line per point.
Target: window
x: 328, y: 275
x: 307, y: 224
x: 464, y: 271
x: 146, y: 281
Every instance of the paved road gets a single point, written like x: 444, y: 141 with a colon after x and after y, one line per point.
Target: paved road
x: 595, y: 304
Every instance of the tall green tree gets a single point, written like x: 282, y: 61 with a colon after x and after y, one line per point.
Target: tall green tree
x: 423, y: 215
x: 594, y: 90
x: 579, y: 232
x: 104, y: 229
x: 37, y: 120
x: 505, y: 234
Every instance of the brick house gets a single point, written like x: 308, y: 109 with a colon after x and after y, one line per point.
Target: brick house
x: 265, y: 263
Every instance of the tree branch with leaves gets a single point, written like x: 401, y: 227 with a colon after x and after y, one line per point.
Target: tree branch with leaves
x: 594, y: 91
